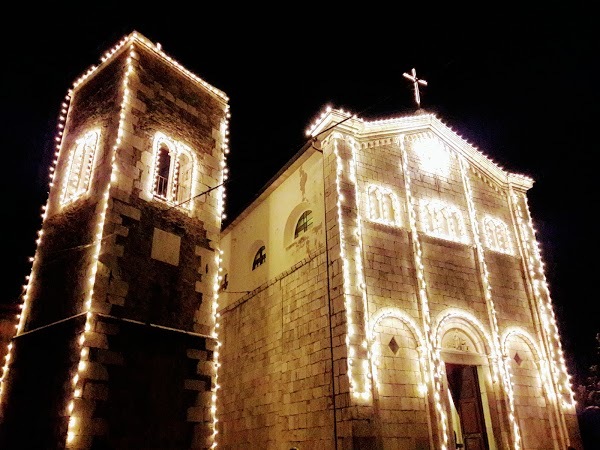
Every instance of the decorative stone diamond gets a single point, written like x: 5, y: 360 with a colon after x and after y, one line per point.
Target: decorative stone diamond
x: 393, y: 345
x: 517, y: 359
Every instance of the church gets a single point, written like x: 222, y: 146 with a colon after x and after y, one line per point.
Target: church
x: 384, y: 290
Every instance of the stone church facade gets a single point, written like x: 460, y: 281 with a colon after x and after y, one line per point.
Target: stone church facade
x: 384, y: 290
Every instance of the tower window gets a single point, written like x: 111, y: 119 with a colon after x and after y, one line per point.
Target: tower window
x: 173, y: 172
x: 79, y: 167
x: 259, y: 257
x: 303, y: 224
x: 163, y: 168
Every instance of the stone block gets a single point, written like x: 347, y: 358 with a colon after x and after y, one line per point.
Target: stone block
x: 109, y: 357
x: 193, y: 353
x: 195, y: 414
x: 95, y: 391
x: 195, y: 385
x: 95, y: 371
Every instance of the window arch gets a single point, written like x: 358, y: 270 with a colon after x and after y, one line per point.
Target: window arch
x: 79, y: 167
x: 382, y: 205
x: 304, y: 223
x: 293, y: 229
x: 443, y: 220
x: 173, y: 172
x: 497, y: 236
x: 259, y: 258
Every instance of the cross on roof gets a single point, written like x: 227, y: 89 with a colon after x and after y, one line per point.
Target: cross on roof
x: 416, y: 81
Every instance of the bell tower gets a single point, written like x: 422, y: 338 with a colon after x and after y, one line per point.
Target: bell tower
x: 116, y: 344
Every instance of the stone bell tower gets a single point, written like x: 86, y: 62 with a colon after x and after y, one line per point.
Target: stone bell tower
x: 116, y: 344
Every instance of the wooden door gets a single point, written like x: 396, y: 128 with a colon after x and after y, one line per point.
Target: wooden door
x: 464, y: 388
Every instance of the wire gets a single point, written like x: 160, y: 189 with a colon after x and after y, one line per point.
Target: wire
x: 201, y: 193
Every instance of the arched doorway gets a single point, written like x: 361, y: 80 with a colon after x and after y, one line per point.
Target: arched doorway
x: 466, y: 405
x: 467, y: 383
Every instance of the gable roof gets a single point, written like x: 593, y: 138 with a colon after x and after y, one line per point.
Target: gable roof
x: 345, y: 121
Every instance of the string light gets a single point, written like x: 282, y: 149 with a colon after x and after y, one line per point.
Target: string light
x: 504, y: 368
x: 31, y: 278
x: 544, y: 369
x: 77, y: 178
x: 396, y: 313
x: 357, y: 326
x: 383, y: 205
x: 175, y: 192
x: 142, y: 41
x: 445, y: 220
x: 224, y: 132
x: 79, y: 167
x: 496, y: 235
x: 433, y: 155
x: 558, y: 374
x: 78, y: 380
x: 434, y: 363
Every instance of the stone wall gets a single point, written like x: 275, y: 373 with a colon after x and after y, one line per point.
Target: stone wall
x: 136, y: 367
x: 276, y: 381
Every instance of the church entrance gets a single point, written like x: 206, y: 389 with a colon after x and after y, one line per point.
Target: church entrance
x: 467, y: 412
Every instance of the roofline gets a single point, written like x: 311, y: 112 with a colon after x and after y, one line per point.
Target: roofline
x: 275, y: 181
x: 363, y: 129
x: 156, y: 49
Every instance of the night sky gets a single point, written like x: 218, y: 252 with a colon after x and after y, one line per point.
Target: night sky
x: 518, y: 88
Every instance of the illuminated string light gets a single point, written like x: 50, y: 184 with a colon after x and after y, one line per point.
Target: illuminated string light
x: 79, y: 167
x: 504, y: 368
x: 434, y: 362
x: 367, y: 341
x: 224, y: 129
x: 396, y: 313
x: 171, y: 189
x: 420, y: 120
x: 142, y: 41
x: 31, y: 278
x: 453, y: 313
x: 180, y: 149
x: 535, y: 268
x: 558, y: 374
x: 73, y: 431
x: 497, y: 236
x: 356, y: 349
x: 443, y: 220
x: 383, y: 205
x: 544, y: 369
x: 433, y: 156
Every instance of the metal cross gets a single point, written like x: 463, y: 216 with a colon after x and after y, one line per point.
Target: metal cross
x: 416, y: 81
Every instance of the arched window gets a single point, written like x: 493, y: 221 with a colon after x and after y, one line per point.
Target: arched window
x: 382, y: 205
x: 497, y: 237
x: 259, y: 257
x: 303, y: 224
x: 163, y: 169
x: 79, y: 167
x: 443, y: 220
x: 224, y: 283
x: 173, y: 172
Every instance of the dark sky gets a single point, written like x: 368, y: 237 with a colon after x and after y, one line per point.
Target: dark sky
x: 518, y: 87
